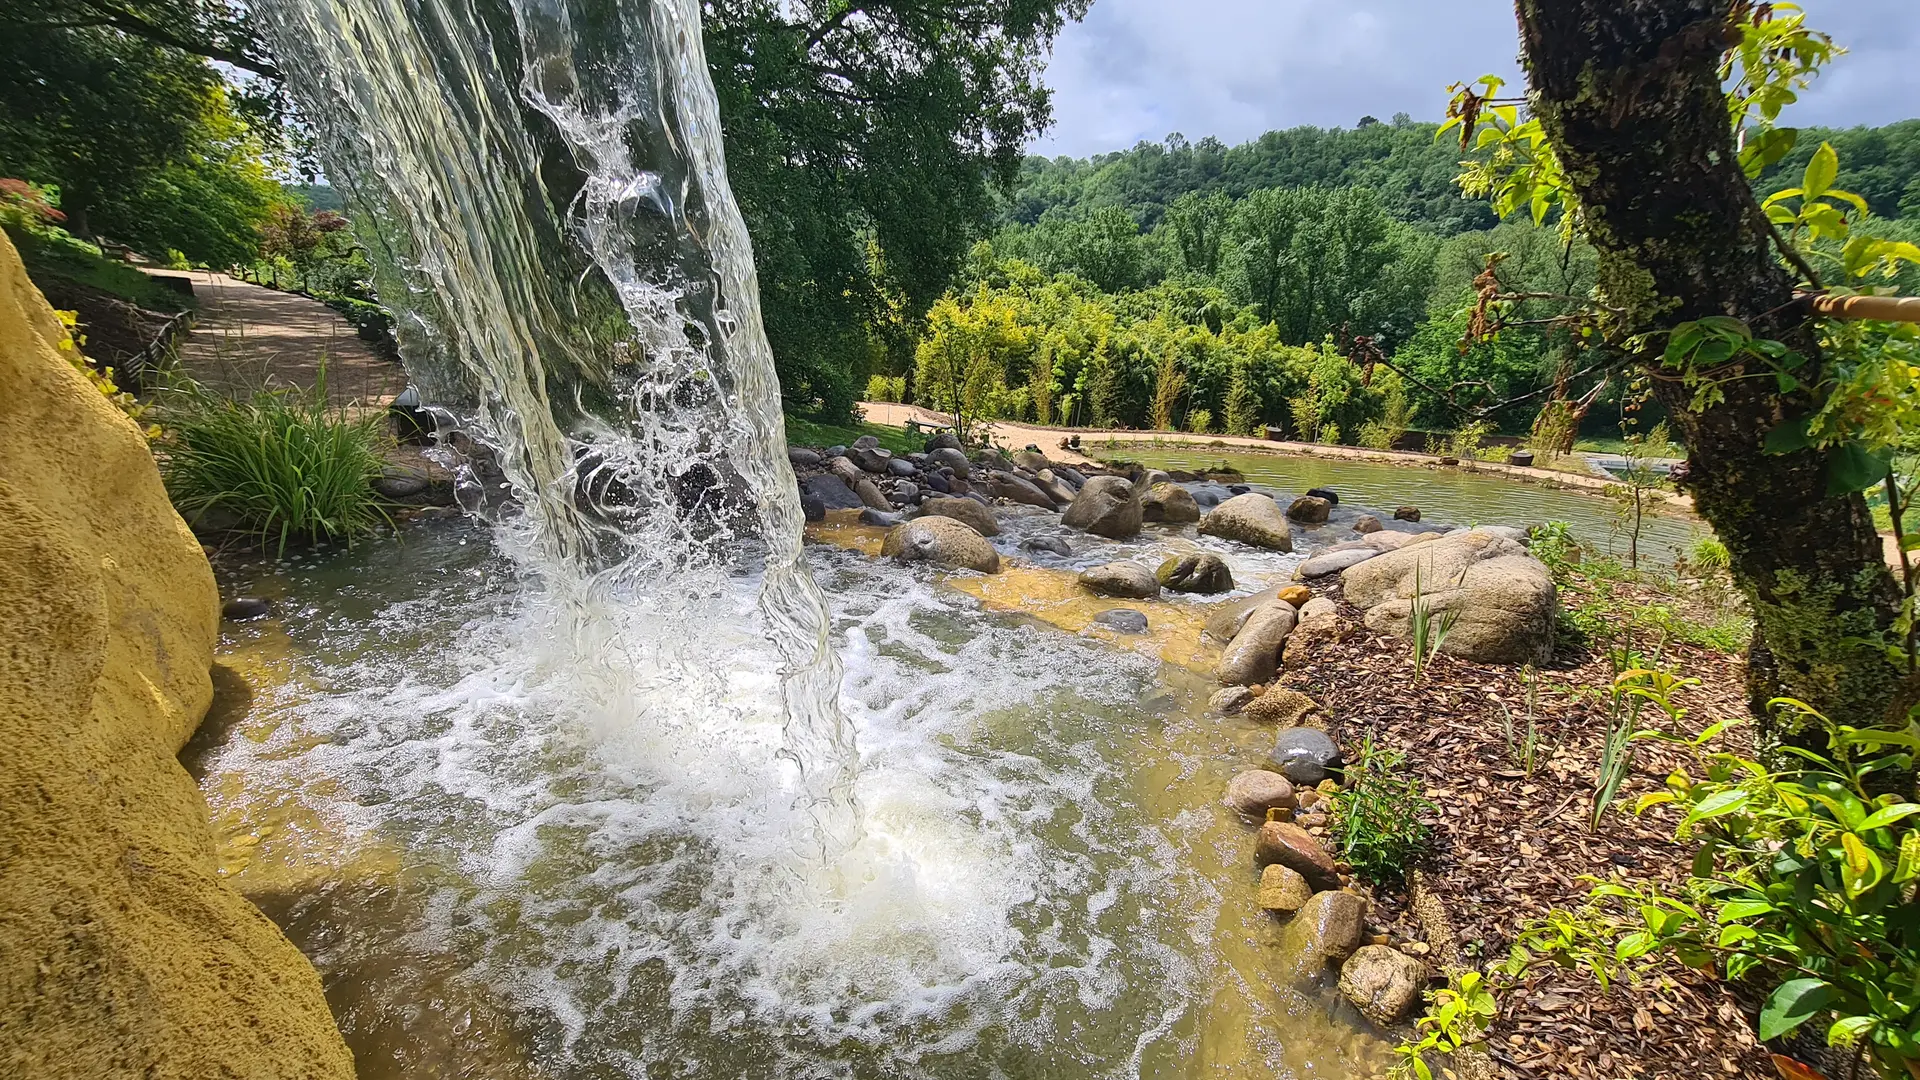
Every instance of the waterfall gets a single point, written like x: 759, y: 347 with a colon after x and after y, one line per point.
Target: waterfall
x: 543, y: 186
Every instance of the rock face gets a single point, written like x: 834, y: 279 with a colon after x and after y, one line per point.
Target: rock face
x: 1310, y: 509
x: 1128, y: 580
x: 978, y: 518
x: 1505, y: 598
x: 1195, y: 573
x: 1294, y: 848
x: 1251, y: 519
x: 1257, y: 791
x: 941, y: 541
x: 1105, y: 507
x: 1013, y: 488
x: 122, y: 952
x: 1169, y: 503
x: 1254, y: 653
x: 1282, y: 706
x: 1305, y: 755
x: 1382, y: 982
x: 833, y: 492
x: 1283, y: 890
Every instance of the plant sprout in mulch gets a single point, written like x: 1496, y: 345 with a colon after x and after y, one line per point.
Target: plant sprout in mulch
x: 1508, y: 758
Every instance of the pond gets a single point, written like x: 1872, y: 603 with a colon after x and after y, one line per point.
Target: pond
x: 1445, y: 496
x: 506, y: 865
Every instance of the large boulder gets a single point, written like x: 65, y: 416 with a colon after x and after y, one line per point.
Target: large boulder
x: 871, y: 458
x: 1107, y: 507
x: 949, y: 457
x: 1305, y: 755
x: 1169, y: 503
x: 1196, y: 572
x: 978, y: 518
x: 942, y: 541
x: 123, y: 952
x: 1127, y: 580
x: 1283, y: 890
x: 1032, y: 460
x: 833, y: 492
x: 1254, y: 653
x: 1013, y: 488
x: 1251, y: 519
x: 1504, y: 599
x: 1382, y: 982
x: 943, y: 441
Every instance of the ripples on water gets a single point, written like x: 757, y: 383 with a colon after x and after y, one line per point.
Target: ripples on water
x: 595, y: 880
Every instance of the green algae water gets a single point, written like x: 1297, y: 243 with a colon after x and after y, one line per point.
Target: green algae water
x: 1445, y: 496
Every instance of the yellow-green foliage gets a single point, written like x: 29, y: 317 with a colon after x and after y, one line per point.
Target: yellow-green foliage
x: 102, y: 380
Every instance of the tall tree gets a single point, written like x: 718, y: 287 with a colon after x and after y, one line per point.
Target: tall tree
x: 1199, y: 225
x: 1631, y: 97
x: 880, y: 119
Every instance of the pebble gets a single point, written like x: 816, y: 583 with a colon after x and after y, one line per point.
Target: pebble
x: 242, y: 608
x: 1125, y: 620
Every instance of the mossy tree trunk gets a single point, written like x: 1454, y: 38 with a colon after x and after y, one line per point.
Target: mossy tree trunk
x: 1628, y: 93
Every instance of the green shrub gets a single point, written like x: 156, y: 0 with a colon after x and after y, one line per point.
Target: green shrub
x: 1376, y: 815
x: 288, y: 467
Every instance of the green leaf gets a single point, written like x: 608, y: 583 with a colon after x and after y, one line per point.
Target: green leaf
x: 1821, y: 170
x: 1851, y: 468
x: 1794, y: 1003
x: 1743, y: 909
x: 1721, y: 802
x: 1788, y: 436
x: 1887, y: 816
x: 1847, y: 1030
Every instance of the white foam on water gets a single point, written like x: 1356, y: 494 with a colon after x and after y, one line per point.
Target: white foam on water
x: 611, y: 844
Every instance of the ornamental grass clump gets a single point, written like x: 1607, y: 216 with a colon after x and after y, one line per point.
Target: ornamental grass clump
x: 289, y: 468
x: 1377, y: 815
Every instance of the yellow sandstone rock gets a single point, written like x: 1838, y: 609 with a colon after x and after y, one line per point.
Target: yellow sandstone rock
x: 122, y: 954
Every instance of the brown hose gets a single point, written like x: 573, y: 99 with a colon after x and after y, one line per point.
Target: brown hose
x: 1881, y: 308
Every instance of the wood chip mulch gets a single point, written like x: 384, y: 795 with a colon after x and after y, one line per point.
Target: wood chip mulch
x: 1510, y: 845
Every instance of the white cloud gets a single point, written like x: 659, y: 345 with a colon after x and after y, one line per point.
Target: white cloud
x: 1139, y: 69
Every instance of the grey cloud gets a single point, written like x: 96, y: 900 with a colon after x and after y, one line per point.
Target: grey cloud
x: 1138, y: 69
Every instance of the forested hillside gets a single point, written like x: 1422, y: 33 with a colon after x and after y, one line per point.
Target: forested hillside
x: 1319, y: 280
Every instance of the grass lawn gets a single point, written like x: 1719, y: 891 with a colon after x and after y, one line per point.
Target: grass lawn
x: 801, y: 432
x: 58, y: 255
x: 1619, y: 446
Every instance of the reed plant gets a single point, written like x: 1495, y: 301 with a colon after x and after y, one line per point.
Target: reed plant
x: 284, y: 464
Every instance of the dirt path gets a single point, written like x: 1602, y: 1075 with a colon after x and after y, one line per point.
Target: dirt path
x: 247, y: 337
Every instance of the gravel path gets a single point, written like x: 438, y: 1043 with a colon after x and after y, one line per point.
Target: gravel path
x: 248, y: 337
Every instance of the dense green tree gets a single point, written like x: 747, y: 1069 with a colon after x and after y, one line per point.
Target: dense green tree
x: 885, y: 121
x: 1198, y: 224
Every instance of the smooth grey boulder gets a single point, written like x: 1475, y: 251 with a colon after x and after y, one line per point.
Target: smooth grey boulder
x: 1032, y: 461
x: 1123, y: 620
x: 871, y: 459
x: 870, y: 495
x: 1052, y: 545
x: 832, y: 492
x: 1013, y: 488
x: 939, y: 480
x: 1169, y: 503
x: 1251, y: 519
x: 811, y: 507
x: 977, y: 517
x: 242, y: 608
x: 802, y: 458
x: 1254, y: 653
x: 1071, y: 475
x: 1505, y: 599
x: 1332, y: 562
x: 1129, y: 580
x: 1367, y: 523
x: 883, y: 519
x: 1198, y: 572
x: 948, y: 457
x: 1059, y: 492
x: 1305, y: 755
x: 941, y: 541
x: 943, y: 441
x: 1230, y: 615
x: 1107, y: 507
x: 902, y: 467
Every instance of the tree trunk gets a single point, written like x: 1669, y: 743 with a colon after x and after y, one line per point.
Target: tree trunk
x: 1629, y: 95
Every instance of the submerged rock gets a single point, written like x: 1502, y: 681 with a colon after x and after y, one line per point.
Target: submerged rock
x: 1406, y: 513
x: 1367, y: 523
x: 1169, y: 503
x: 242, y: 608
x: 1195, y: 573
x: 1257, y: 791
x: 1329, y: 927
x: 1281, y: 705
x: 1382, y: 982
x: 1250, y: 519
x: 1052, y: 545
x: 881, y: 518
x: 1229, y: 700
x: 1305, y: 755
x: 978, y: 518
x: 1124, y: 620
x: 1332, y: 497
x: 941, y: 541
x: 1283, y: 890
x: 1294, y: 848
x: 1129, y: 580
x: 1107, y: 507
x: 811, y: 507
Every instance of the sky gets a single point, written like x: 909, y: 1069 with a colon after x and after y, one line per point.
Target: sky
x: 1139, y: 69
